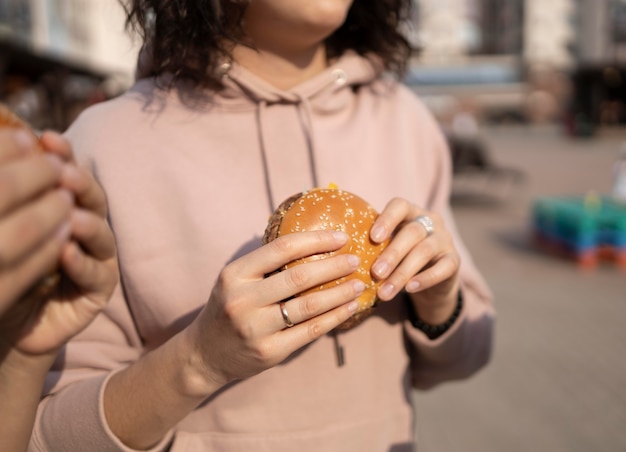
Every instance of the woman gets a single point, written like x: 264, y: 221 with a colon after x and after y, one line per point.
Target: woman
x: 50, y: 213
x: 239, y: 105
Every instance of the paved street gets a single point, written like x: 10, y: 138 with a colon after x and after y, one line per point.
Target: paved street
x: 557, y: 380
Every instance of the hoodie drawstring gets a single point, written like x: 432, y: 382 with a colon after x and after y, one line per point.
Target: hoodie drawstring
x: 305, y: 119
x: 261, y: 107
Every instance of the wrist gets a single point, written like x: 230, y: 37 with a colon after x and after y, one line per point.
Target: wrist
x: 436, y: 305
x: 434, y: 330
x: 146, y: 400
x: 25, y: 365
x: 21, y: 380
x: 197, y: 379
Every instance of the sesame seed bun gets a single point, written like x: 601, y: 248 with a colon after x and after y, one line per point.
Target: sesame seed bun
x: 334, y: 209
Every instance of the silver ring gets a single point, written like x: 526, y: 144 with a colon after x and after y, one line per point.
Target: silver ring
x: 285, y: 314
x: 428, y: 224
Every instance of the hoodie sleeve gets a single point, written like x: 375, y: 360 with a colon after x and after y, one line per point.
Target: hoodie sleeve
x: 466, y: 346
x: 71, y: 414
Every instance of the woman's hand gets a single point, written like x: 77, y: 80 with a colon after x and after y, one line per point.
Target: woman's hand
x: 87, y: 260
x: 424, y: 264
x: 241, y: 330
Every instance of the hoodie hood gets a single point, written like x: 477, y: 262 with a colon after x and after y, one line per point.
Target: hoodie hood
x: 286, y: 120
x: 322, y: 92
x: 325, y: 94
x: 244, y: 90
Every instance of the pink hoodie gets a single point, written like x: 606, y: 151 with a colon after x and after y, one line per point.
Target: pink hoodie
x: 190, y: 189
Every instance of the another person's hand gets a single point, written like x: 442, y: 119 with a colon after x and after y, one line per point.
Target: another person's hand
x: 421, y: 259
x: 87, y: 260
x: 241, y: 331
x: 34, y: 215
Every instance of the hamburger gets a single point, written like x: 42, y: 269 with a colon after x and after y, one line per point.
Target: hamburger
x: 41, y: 290
x: 334, y: 209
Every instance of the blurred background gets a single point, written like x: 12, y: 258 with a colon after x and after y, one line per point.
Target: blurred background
x: 59, y: 56
x: 531, y: 95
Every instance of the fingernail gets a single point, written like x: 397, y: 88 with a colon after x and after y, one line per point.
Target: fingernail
x: 24, y: 140
x: 413, y: 286
x: 353, y: 306
x: 377, y: 233
x: 386, y: 291
x: 359, y: 286
x: 354, y: 260
x: 380, y: 268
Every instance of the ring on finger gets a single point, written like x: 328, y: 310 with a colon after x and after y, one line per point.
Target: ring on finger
x: 427, y: 223
x: 285, y: 314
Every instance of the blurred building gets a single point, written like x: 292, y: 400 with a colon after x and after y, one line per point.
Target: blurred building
x: 58, y: 56
x: 599, y: 79
x: 497, y: 58
x: 89, y: 32
x: 530, y: 60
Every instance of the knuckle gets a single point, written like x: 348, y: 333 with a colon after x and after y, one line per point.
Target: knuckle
x: 221, y: 283
x: 397, y: 201
x: 436, y: 217
x: 455, y: 260
x: 427, y: 248
x: 282, y: 246
x: 401, y: 276
x: 436, y: 274
x: 229, y: 310
x: 309, y: 306
x: 447, y: 242
x: 232, y: 308
x: 264, y: 352
x: 245, y: 332
x: 90, y: 227
x: 298, y: 277
x: 101, y: 232
x: 320, y: 236
x: 233, y: 313
x: 392, y: 255
x: 85, y: 181
x: 315, y: 330
x: 226, y: 276
x: 223, y: 294
x: 428, y: 278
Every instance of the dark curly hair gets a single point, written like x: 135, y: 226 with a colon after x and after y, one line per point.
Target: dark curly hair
x: 190, y: 39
